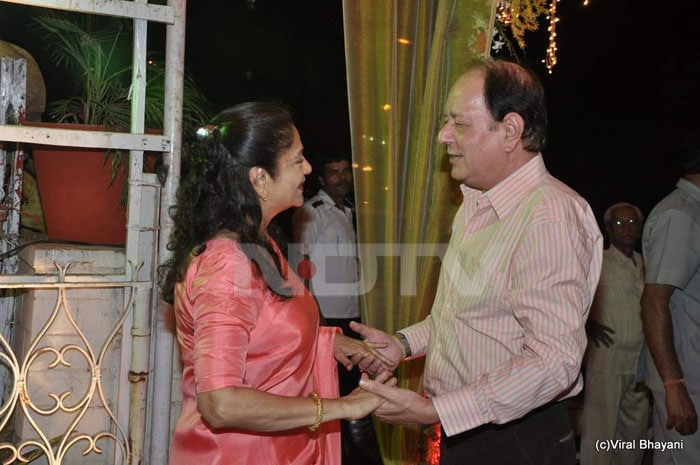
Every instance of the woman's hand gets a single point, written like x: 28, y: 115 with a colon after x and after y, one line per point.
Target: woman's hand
x: 349, y: 352
x: 360, y: 403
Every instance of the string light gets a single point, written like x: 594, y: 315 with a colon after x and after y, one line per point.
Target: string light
x: 503, y: 12
x: 523, y: 15
x: 550, y: 58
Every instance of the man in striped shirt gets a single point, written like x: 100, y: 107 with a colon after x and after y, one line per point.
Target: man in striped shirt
x: 505, y: 337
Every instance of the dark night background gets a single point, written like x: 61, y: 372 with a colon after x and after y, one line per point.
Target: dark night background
x: 621, y: 98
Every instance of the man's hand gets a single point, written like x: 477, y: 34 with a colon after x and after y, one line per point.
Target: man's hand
x: 400, y: 406
x: 598, y: 333
x: 658, y: 330
x: 387, y: 345
x: 681, y: 411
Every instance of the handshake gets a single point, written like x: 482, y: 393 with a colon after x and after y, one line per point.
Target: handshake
x: 377, y: 357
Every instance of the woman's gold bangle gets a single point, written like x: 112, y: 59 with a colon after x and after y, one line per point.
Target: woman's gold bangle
x: 319, y: 411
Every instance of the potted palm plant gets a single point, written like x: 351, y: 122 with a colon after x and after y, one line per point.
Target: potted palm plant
x: 96, y: 52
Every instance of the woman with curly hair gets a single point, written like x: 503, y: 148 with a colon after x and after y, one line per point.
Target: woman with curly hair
x: 259, y: 379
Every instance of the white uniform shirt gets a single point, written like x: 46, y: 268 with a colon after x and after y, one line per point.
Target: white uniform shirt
x: 326, y: 234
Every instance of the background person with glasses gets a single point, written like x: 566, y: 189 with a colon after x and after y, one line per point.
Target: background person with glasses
x: 616, y: 403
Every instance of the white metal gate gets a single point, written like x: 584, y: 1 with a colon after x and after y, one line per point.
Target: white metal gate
x: 139, y: 331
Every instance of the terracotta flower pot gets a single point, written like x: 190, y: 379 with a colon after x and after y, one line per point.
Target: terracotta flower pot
x: 78, y: 201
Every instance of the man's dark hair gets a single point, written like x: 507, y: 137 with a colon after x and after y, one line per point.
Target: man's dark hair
x: 690, y: 154
x: 512, y: 88
x: 329, y: 157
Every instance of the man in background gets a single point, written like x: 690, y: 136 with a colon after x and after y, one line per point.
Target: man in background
x: 616, y: 402
x: 323, y: 234
x: 671, y: 313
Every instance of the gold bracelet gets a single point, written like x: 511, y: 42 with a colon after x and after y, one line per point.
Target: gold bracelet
x: 319, y: 411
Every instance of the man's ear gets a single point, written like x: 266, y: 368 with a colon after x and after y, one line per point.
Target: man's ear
x: 514, y: 126
x: 258, y: 179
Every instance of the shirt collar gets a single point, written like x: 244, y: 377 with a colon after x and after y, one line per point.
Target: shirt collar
x: 509, y: 192
x: 327, y: 200
x: 688, y: 187
x: 621, y: 256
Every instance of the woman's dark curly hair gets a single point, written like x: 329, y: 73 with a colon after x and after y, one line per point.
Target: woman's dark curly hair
x: 216, y: 195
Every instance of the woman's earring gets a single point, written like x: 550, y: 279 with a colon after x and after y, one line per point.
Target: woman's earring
x: 264, y: 196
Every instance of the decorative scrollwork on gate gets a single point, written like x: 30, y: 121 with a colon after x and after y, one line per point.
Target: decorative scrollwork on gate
x: 37, y: 396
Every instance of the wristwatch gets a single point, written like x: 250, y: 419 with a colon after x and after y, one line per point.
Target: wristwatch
x: 404, y: 343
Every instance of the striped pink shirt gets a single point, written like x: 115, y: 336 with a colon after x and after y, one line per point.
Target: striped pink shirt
x: 506, y: 330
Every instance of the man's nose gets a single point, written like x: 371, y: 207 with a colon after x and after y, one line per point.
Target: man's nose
x: 445, y: 134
